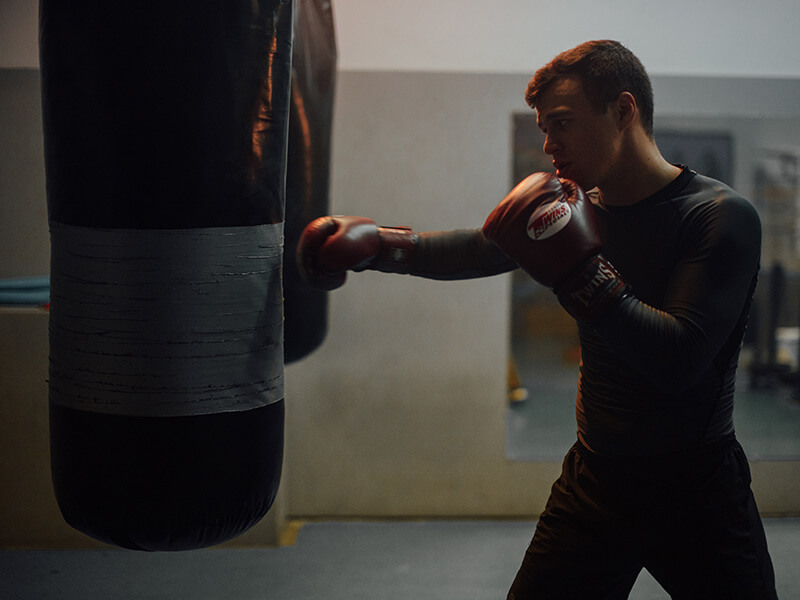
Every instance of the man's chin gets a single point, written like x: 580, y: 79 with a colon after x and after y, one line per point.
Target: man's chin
x: 582, y: 182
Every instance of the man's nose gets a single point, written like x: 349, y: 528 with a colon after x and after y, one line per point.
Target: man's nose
x: 550, y: 145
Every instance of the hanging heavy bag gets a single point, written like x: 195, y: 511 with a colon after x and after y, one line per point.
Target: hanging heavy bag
x: 308, y: 169
x: 165, y: 149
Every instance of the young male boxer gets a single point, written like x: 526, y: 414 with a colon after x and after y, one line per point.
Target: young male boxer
x: 658, y: 265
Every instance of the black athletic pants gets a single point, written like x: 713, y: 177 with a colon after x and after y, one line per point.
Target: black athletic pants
x: 690, y: 520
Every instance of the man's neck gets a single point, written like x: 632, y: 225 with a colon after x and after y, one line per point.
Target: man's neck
x: 643, y: 174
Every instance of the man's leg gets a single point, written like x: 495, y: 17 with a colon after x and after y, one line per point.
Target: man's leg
x: 713, y: 545
x: 581, y: 548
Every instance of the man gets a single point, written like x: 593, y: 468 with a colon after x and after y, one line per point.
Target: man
x: 658, y: 266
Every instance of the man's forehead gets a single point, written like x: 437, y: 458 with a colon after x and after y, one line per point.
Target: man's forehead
x: 558, y: 98
x: 561, y: 90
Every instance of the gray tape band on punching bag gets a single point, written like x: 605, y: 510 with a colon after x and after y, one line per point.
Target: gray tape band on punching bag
x: 163, y: 323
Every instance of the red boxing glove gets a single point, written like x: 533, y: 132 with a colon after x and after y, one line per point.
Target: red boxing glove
x: 330, y: 246
x: 547, y: 226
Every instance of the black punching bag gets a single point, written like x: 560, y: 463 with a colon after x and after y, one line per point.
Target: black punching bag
x: 308, y: 169
x: 165, y: 133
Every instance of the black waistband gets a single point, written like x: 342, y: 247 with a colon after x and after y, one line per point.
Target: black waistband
x: 681, y: 457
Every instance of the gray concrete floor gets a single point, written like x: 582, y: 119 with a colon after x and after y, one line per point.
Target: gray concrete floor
x: 441, y: 560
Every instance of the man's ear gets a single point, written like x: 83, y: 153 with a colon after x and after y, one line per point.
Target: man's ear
x: 626, y: 110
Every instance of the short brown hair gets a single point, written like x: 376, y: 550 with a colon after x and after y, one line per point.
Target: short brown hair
x: 606, y: 69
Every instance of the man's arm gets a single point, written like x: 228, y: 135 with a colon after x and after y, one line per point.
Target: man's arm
x: 331, y: 246
x: 545, y: 226
x: 706, y: 303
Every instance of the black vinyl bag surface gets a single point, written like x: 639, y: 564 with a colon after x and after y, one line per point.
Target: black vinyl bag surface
x: 165, y: 133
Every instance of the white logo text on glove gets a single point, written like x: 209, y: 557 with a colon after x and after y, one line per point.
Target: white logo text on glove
x: 548, y: 219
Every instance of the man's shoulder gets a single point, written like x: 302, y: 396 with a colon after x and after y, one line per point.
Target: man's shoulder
x: 706, y: 202
x: 703, y: 190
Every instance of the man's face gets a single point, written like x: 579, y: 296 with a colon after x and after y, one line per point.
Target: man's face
x: 584, y: 144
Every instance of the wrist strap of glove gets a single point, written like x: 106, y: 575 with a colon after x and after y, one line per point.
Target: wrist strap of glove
x: 590, y: 291
x: 397, y: 250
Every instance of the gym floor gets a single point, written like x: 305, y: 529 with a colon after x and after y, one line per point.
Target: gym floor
x: 425, y: 560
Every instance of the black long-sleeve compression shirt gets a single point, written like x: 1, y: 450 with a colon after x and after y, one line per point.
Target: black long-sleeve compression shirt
x: 658, y: 372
